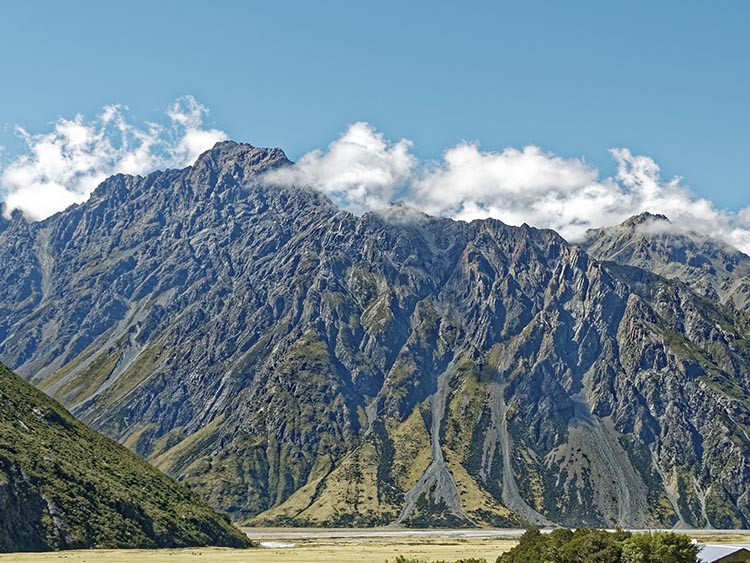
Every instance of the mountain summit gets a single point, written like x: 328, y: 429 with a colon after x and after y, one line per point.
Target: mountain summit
x: 297, y: 364
x: 711, y: 267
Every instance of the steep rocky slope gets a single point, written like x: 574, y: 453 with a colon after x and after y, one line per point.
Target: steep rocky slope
x: 711, y: 268
x: 62, y: 485
x: 295, y: 363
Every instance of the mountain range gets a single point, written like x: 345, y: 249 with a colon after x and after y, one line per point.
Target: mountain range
x: 297, y: 364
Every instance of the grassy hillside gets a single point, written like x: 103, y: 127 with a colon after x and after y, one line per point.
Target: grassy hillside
x: 64, y: 486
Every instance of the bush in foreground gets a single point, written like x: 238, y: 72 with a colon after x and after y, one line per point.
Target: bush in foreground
x: 599, y: 546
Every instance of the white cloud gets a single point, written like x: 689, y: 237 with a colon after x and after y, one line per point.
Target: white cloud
x: 64, y: 166
x: 187, y: 114
x: 516, y: 186
x: 360, y: 170
x: 363, y: 171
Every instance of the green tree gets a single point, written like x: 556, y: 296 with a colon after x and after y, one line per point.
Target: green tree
x: 659, y: 547
x: 598, y: 546
x: 637, y: 549
x: 592, y: 546
x: 531, y: 547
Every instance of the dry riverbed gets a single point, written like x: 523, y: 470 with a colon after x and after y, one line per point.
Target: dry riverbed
x: 283, y: 545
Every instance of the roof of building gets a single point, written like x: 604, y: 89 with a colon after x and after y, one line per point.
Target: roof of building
x: 711, y: 553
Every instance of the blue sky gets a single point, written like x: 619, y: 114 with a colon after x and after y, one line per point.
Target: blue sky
x: 665, y: 79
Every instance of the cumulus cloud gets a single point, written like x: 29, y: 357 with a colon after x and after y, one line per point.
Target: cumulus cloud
x: 568, y: 195
x: 361, y: 170
x: 516, y: 186
x: 190, y: 139
x: 64, y: 166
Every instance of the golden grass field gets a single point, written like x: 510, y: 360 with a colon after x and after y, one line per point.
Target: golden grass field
x: 305, y: 551
x: 317, y: 546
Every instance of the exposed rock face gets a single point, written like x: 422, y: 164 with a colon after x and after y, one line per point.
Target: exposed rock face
x: 710, y: 267
x: 64, y: 486
x: 293, y: 362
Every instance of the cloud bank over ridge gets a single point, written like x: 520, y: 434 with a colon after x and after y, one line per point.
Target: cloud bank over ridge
x: 362, y: 171
x: 64, y: 166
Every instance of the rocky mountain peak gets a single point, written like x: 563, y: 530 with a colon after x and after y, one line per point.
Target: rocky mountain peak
x: 227, y: 163
x: 250, y: 159
x: 650, y: 241
x: 645, y: 217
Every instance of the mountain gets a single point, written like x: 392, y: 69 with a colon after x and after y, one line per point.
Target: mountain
x: 297, y: 364
x: 63, y: 486
x: 710, y: 267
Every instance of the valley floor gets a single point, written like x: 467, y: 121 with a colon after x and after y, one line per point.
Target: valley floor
x: 284, y: 545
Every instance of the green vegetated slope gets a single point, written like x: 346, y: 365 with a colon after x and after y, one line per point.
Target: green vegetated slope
x: 63, y: 486
x: 297, y: 364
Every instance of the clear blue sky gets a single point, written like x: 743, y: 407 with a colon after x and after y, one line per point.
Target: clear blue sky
x: 670, y: 79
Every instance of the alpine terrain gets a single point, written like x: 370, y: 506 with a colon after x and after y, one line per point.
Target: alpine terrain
x: 295, y: 363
